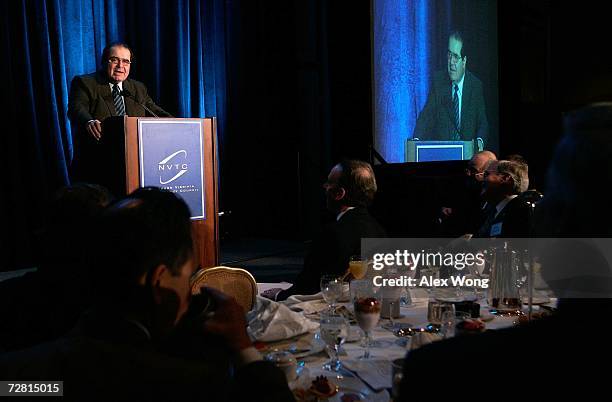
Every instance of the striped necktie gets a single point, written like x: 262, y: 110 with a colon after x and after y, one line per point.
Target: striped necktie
x: 456, y: 111
x: 118, y: 101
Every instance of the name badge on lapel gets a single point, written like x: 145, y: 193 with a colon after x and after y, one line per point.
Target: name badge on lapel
x: 496, y: 229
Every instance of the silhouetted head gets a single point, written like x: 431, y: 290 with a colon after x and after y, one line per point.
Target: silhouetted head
x: 351, y: 183
x: 146, y: 256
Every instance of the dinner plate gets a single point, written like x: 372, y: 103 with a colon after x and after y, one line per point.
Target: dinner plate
x: 307, y: 346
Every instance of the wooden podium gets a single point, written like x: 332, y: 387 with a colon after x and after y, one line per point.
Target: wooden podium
x: 147, y: 138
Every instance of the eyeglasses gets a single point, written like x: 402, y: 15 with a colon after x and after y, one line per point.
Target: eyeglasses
x: 117, y: 60
x: 488, y: 173
x: 454, y: 57
x: 472, y: 171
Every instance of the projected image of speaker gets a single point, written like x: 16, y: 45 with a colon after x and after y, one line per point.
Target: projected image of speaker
x: 435, y: 76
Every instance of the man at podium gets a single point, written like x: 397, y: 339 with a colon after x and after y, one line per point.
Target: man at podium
x: 455, y: 107
x: 98, y: 96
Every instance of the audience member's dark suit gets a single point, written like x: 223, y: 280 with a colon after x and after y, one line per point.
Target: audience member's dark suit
x: 39, y: 307
x: 515, y: 220
x: 547, y: 349
x: 91, y: 99
x: 331, y: 251
x: 106, y: 359
x: 436, y: 121
x: 467, y: 208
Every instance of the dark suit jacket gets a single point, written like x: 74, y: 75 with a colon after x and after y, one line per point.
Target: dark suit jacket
x: 331, y: 251
x: 435, y: 122
x: 110, y: 359
x: 91, y: 99
x: 515, y: 219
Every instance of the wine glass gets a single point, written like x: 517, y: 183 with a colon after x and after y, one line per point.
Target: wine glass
x: 334, y: 331
x: 331, y: 289
x: 367, y: 313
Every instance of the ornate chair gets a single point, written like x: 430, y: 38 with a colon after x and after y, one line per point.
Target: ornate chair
x: 236, y: 282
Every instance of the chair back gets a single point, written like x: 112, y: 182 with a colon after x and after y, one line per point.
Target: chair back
x: 235, y: 282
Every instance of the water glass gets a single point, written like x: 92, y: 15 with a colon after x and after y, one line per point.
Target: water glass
x: 331, y: 289
x: 285, y: 361
x: 447, y: 325
x: 334, y: 331
x: 436, y: 311
x: 397, y: 373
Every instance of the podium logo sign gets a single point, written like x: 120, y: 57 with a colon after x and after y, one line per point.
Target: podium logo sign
x: 170, y: 153
x: 169, y: 166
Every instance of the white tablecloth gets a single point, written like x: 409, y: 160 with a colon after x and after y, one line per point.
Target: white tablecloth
x: 388, y: 347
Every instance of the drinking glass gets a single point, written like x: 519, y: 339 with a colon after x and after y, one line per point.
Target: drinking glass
x: 367, y: 313
x: 447, y: 321
x: 390, y: 306
x: 406, y: 297
x: 359, y: 287
x: 357, y: 267
x: 397, y: 373
x: 334, y: 331
x: 331, y: 289
x: 436, y: 311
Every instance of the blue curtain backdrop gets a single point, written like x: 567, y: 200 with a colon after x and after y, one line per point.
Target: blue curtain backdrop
x: 409, y: 44
x: 179, y: 53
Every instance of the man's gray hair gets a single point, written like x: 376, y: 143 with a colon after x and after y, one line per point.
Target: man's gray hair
x: 518, y: 172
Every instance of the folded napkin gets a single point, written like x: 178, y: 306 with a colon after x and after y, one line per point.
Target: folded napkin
x: 307, y: 304
x: 270, y: 321
x: 375, y: 373
x: 294, y: 299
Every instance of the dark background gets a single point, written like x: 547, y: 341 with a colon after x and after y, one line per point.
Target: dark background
x: 299, y: 99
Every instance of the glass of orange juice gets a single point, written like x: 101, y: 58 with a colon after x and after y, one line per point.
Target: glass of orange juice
x: 357, y: 267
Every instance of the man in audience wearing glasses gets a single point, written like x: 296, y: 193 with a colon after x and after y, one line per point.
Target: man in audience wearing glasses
x: 508, y: 214
x: 146, y: 338
x: 349, y: 190
x: 465, y: 213
x: 97, y: 96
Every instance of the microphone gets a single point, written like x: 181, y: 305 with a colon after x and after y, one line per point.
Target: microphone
x: 128, y: 94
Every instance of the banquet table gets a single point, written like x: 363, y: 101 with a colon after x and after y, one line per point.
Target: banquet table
x: 387, y: 347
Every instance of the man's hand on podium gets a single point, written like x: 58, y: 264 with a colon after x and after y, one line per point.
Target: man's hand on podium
x: 94, y: 128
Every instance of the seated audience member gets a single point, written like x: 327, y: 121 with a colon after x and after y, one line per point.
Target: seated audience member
x: 349, y: 190
x: 508, y: 215
x: 131, y: 345
x: 577, y: 272
x: 466, y: 214
x: 43, y: 305
x: 520, y: 159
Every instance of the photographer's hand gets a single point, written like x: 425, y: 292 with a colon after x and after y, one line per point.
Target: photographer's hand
x: 228, y: 321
